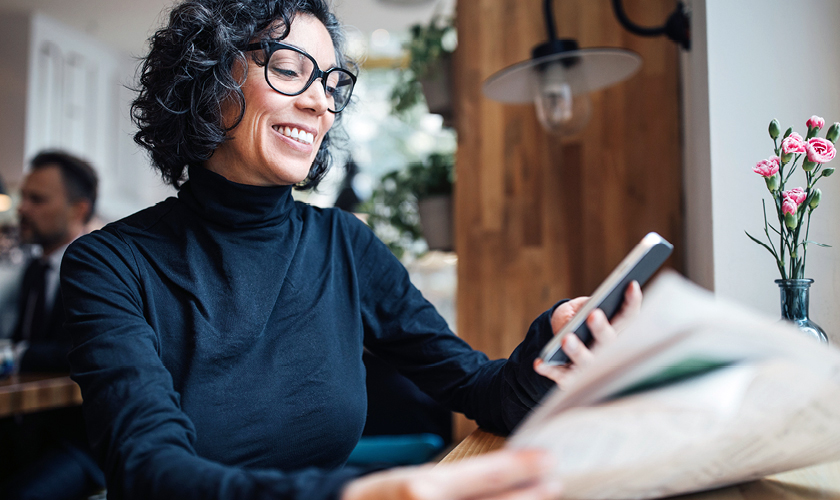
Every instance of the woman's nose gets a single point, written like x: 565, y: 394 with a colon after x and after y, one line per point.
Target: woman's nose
x: 314, y: 97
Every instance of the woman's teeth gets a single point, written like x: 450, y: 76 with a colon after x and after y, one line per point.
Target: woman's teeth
x: 300, y: 136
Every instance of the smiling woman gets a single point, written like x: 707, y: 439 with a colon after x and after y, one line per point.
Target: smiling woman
x: 219, y: 335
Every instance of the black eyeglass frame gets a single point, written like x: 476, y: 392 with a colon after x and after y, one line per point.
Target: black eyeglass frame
x: 271, y: 47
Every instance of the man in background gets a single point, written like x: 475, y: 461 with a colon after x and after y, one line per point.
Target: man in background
x: 45, y: 454
x: 58, y: 197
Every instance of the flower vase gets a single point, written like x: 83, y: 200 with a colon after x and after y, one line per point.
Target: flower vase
x: 795, y: 294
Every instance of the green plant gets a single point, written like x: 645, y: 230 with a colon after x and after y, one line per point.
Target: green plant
x: 392, y: 208
x: 428, y: 45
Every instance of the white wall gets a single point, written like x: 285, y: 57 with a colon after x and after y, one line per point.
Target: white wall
x: 751, y: 61
x: 64, y: 89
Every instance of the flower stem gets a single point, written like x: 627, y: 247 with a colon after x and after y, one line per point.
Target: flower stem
x: 805, y: 243
x: 771, y: 248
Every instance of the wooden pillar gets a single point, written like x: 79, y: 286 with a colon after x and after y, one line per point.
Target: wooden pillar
x: 539, y: 218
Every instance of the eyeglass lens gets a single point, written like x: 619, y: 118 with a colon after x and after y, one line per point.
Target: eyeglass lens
x: 289, y: 71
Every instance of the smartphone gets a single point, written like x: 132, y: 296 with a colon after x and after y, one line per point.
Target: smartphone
x: 639, y: 265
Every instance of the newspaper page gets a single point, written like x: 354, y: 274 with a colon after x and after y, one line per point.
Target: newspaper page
x: 696, y: 394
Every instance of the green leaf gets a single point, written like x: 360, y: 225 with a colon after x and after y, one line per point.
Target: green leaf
x: 816, y: 243
x: 762, y: 244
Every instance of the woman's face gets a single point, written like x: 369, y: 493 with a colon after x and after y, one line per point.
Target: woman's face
x: 259, y: 151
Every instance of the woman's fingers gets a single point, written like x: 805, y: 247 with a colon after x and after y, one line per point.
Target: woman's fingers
x: 576, y: 350
x: 600, y: 327
x: 579, y: 355
x: 559, y: 374
x: 504, y: 474
x: 603, y: 331
x: 501, y: 475
x: 565, y: 311
x: 630, y: 308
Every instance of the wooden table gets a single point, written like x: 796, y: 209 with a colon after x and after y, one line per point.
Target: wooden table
x: 34, y: 392
x: 811, y: 483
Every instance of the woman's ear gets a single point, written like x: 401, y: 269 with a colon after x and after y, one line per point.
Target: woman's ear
x: 233, y: 106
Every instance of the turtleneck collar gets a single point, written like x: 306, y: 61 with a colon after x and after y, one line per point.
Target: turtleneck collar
x: 235, y: 205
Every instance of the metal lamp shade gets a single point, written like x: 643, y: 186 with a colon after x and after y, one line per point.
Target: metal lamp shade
x: 585, y: 70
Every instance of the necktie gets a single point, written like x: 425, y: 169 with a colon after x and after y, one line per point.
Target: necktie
x: 34, y: 312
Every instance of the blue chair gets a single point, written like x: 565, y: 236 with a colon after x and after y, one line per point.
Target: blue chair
x: 404, y: 426
x: 408, y: 449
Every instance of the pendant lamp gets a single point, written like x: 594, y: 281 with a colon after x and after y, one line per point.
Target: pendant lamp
x: 560, y: 75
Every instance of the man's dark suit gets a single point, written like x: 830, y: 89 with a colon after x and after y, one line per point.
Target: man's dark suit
x: 49, y: 343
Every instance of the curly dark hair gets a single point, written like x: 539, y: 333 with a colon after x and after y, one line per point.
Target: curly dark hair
x: 188, y: 74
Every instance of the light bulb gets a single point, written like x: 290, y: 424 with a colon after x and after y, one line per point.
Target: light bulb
x: 558, y: 110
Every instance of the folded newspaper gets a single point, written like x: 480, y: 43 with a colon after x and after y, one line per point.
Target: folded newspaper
x: 697, y: 393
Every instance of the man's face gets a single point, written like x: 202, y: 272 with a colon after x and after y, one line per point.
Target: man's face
x: 45, y: 212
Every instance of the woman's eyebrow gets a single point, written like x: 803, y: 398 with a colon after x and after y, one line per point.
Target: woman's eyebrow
x: 278, y: 40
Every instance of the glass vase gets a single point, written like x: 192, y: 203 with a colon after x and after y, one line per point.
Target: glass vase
x: 795, y: 295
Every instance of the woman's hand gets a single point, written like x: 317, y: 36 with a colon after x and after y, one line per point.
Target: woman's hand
x: 501, y: 475
x: 602, y: 331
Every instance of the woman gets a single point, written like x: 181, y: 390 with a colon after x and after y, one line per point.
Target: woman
x: 219, y: 334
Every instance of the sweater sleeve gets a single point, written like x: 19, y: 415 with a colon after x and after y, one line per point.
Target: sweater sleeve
x: 405, y: 329
x: 142, y: 438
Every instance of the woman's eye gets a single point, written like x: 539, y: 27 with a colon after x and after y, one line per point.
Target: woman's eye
x: 284, y: 72
x: 330, y: 91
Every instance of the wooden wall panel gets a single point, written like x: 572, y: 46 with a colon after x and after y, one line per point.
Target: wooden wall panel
x: 538, y: 218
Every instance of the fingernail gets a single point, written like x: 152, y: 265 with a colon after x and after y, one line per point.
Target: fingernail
x: 571, y: 343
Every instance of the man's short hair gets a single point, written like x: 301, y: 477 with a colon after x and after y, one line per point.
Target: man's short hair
x: 78, y: 175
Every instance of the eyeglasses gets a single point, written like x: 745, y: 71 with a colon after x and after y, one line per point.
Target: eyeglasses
x: 290, y: 71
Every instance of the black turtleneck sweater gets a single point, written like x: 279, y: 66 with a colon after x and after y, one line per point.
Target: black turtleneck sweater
x: 218, y: 343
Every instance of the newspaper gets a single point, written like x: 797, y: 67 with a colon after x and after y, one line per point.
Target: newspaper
x: 696, y: 394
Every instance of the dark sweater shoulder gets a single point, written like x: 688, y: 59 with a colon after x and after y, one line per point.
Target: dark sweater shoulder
x: 332, y: 215
x: 346, y: 227
x: 109, y: 241
x: 145, y: 219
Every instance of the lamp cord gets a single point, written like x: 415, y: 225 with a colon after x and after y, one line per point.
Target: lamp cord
x: 548, y: 12
x: 676, y: 27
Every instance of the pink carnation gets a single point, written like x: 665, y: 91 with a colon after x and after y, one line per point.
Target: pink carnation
x: 815, y: 122
x: 820, y: 150
x: 793, y: 144
x: 797, y: 195
x: 768, y: 167
x: 789, y: 206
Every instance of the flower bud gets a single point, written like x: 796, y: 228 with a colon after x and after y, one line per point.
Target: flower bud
x: 790, y: 221
x: 774, y: 129
x: 808, y: 165
x: 827, y: 172
x: 787, y: 157
x: 815, y: 199
x: 788, y: 132
x: 772, y: 182
x: 833, y: 132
